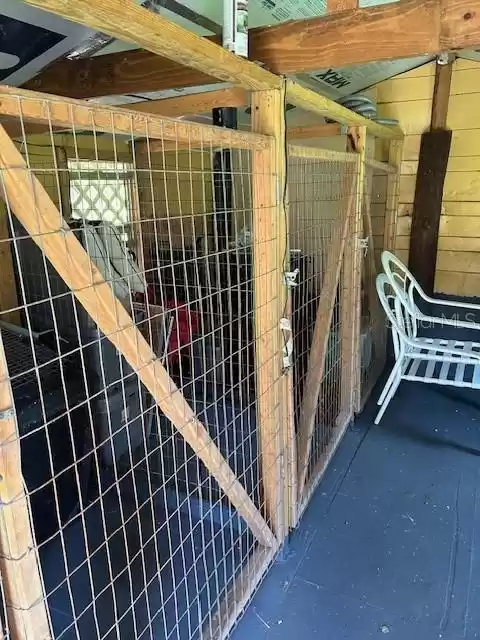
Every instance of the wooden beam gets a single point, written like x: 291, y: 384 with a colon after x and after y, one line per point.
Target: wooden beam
x: 193, y: 103
x: 33, y: 207
x: 459, y: 25
x: 427, y: 206
x: 321, y: 333
x: 396, y: 30
x: 335, y: 6
x: 269, y: 246
x: 383, y: 167
x: 312, y: 131
x: 441, y: 95
x: 357, y: 140
x: 127, y: 21
x: 296, y: 151
x: 25, y: 601
x: 315, y: 103
x: 116, y: 74
x: 77, y: 115
x: 431, y: 172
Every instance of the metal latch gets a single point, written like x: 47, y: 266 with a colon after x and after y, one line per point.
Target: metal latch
x: 286, y: 329
x: 364, y: 245
x: 290, y: 278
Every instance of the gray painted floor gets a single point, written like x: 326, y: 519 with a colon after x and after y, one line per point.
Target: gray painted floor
x: 388, y: 545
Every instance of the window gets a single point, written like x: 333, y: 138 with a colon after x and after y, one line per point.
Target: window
x: 101, y: 191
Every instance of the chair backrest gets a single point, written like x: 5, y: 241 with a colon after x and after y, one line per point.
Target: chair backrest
x: 404, y: 283
x: 402, y: 322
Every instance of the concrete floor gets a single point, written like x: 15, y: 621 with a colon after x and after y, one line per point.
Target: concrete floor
x: 388, y: 545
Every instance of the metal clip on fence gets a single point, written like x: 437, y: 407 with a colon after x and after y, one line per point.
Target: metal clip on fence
x: 364, y: 244
x: 290, y: 278
x: 286, y: 329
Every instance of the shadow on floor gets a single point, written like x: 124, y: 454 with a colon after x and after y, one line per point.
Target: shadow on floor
x: 387, y: 546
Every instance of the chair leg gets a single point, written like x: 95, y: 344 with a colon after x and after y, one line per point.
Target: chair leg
x: 389, y: 396
x: 390, y: 380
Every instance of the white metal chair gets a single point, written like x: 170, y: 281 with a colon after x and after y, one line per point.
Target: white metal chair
x: 432, y: 360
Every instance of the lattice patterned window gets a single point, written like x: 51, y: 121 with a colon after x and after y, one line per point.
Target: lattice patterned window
x: 101, y: 191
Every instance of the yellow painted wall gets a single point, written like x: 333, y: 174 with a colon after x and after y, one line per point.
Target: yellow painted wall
x: 408, y: 98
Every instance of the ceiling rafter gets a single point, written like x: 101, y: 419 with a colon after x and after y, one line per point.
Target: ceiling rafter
x: 402, y: 29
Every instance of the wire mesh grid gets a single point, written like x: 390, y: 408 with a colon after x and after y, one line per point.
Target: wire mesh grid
x: 322, y: 212
x: 373, y: 327
x: 133, y: 535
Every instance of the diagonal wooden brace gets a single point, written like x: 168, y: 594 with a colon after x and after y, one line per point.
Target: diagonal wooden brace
x: 321, y: 333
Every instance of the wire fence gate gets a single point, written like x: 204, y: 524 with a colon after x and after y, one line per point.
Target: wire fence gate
x: 323, y: 218
x: 168, y: 404
x: 378, y: 224
x: 141, y: 495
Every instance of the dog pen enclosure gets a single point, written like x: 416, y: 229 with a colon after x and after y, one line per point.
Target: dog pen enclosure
x: 171, y: 391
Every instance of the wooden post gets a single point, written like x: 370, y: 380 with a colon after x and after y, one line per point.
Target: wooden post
x: 19, y: 563
x: 431, y: 172
x: 274, y: 414
x: 42, y: 220
x: 358, y: 138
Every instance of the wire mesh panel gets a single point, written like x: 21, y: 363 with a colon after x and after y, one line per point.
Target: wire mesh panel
x: 322, y: 212
x: 129, y: 375
x: 373, y: 328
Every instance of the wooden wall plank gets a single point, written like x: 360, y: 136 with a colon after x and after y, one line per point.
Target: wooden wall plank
x: 461, y: 284
x: 40, y: 217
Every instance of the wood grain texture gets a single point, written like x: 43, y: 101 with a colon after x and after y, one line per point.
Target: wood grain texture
x: 395, y: 30
x: 193, y: 103
x: 78, y: 115
x: 117, y: 74
x: 20, y: 566
x: 441, y: 95
x: 269, y: 246
x: 33, y: 207
x: 127, y: 21
x: 459, y: 25
x: 334, y: 6
x: 312, y: 131
x: 329, y: 155
x: 427, y: 207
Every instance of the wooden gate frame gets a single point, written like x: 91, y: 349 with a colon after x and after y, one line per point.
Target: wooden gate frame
x: 123, y: 19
